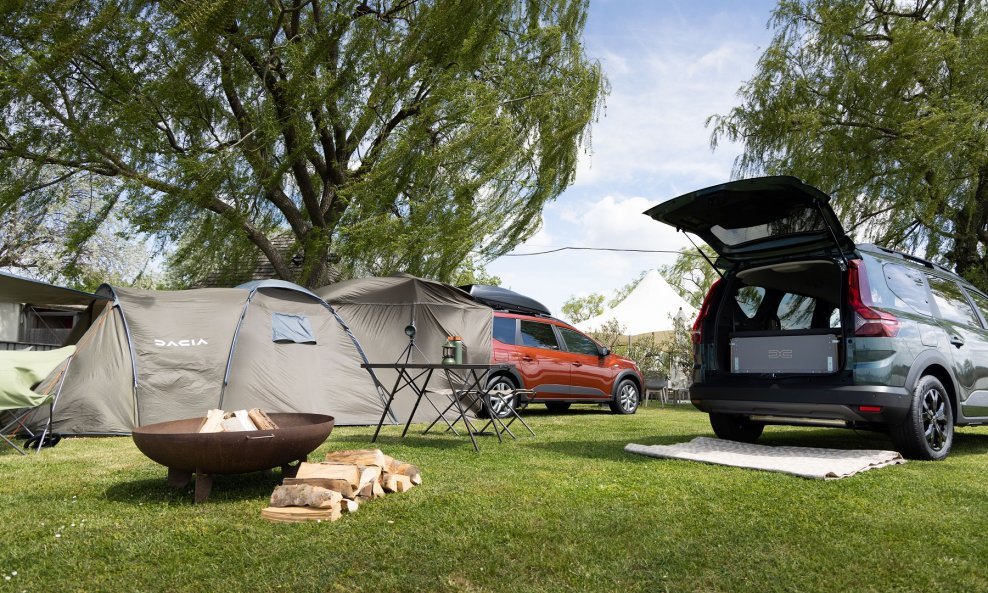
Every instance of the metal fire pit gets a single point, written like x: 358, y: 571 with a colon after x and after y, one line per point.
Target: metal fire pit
x: 185, y: 452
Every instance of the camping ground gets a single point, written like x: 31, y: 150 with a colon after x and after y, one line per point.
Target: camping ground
x: 567, y: 510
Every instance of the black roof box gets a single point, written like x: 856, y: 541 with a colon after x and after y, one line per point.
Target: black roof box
x: 504, y: 299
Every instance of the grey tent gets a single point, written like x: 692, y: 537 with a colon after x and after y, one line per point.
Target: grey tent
x: 377, y: 310
x: 153, y: 356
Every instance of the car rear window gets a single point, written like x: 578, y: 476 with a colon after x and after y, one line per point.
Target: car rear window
x: 909, y: 288
x: 578, y: 343
x: 504, y: 329
x: 895, y: 286
x: 797, y: 221
x: 952, y: 302
x: 538, y: 335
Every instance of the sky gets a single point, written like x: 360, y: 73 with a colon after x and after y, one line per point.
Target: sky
x: 671, y: 64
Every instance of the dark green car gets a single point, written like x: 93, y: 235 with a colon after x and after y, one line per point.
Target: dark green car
x: 805, y: 327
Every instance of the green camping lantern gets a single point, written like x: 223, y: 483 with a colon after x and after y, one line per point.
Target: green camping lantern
x: 449, y: 351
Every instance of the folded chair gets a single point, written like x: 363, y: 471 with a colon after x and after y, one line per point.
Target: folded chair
x: 21, y: 371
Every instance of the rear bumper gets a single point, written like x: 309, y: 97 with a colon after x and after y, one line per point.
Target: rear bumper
x: 811, y: 402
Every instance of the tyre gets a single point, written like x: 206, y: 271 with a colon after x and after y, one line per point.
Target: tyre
x: 627, y: 398
x: 928, y: 429
x: 557, y: 406
x: 502, y: 405
x: 735, y: 428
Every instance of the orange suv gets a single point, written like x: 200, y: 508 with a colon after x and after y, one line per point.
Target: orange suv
x: 560, y: 364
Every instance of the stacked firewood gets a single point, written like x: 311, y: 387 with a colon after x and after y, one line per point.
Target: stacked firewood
x: 236, y: 421
x: 340, y: 484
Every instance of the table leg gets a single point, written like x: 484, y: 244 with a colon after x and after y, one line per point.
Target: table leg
x: 420, y: 392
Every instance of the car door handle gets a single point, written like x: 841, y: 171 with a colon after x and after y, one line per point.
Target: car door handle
x: 578, y: 364
x: 527, y: 359
x: 957, y: 340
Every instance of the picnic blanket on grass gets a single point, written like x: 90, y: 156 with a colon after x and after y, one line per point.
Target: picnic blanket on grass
x: 806, y: 462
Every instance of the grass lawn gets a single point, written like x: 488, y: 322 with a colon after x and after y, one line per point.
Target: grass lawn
x: 567, y: 510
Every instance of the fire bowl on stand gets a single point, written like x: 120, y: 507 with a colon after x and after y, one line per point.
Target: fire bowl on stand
x: 185, y: 452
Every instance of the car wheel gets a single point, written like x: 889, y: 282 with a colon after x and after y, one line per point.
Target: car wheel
x: 557, y: 406
x: 735, y: 428
x: 627, y: 398
x: 928, y: 430
x: 503, y: 403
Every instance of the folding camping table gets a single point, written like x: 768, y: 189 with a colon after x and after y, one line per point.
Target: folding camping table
x: 468, y: 389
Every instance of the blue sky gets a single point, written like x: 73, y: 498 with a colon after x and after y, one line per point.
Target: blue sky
x: 671, y: 64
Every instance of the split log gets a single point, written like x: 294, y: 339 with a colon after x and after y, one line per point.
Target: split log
x: 406, y: 469
x: 212, y: 422
x: 395, y: 482
x: 361, y: 457
x: 296, y: 514
x: 333, y: 471
x: 305, y: 495
x: 261, y: 420
x: 368, y: 474
x: 341, y: 486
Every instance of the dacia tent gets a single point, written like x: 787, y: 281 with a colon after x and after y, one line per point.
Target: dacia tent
x: 154, y: 356
x: 378, y: 309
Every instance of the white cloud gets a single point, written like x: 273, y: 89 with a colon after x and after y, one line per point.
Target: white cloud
x: 670, y: 68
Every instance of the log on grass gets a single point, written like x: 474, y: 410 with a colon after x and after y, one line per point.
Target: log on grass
x: 296, y: 514
x: 332, y: 471
x: 342, y: 486
x: 361, y: 457
x: 305, y: 495
x: 406, y: 469
x: 395, y: 482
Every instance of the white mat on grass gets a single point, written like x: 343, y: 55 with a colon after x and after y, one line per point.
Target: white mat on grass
x: 807, y: 462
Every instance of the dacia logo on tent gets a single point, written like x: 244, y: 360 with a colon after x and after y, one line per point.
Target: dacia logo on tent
x: 181, y: 343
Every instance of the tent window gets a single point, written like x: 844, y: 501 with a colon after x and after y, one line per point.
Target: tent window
x: 291, y: 328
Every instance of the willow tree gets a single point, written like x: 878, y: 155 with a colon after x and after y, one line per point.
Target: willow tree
x: 390, y: 135
x: 884, y: 104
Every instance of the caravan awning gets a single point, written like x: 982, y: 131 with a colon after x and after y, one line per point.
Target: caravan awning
x: 17, y: 289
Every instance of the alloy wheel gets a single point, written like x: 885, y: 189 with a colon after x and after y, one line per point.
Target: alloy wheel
x: 628, y: 397
x: 502, y: 400
x: 934, y: 419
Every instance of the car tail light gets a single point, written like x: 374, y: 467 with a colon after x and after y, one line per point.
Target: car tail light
x: 870, y: 409
x: 701, y: 317
x: 868, y: 321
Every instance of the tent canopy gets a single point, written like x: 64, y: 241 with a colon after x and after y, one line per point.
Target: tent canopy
x: 155, y: 356
x: 649, y: 307
x: 377, y: 310
x: 17, y: 289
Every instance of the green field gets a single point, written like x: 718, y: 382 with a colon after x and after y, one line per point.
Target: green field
x: 567, y: 510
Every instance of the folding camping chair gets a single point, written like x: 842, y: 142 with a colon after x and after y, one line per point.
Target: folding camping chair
x: 21, y: 371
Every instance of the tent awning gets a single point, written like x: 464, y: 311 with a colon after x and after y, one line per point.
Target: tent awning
x: 17, y: 289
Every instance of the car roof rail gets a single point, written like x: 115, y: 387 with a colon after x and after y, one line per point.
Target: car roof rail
x: 909, y: 257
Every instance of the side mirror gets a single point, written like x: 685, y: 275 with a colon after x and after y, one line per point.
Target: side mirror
x: 603, y: 351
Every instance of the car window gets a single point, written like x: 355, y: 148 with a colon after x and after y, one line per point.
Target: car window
x: 504, y: 329
x: 908, y: 289
x: 538, y: 335
x: 578, y: 343
x: 981, y: 301
x: 769, y: 224
x: 796, y: 311
x: 952, y: 302
x: 749, y: 298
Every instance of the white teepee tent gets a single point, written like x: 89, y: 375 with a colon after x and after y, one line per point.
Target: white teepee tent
x: 649, y: 307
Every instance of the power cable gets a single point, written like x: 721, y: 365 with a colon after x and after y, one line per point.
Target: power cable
x: 557, y: 249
